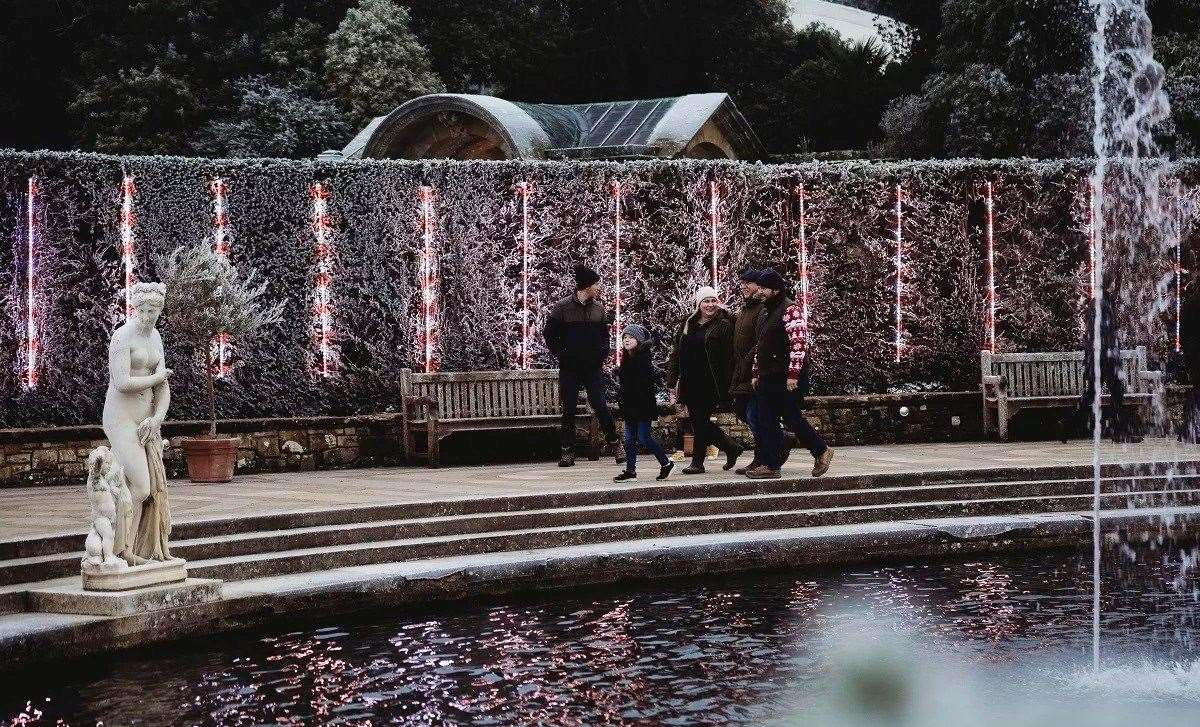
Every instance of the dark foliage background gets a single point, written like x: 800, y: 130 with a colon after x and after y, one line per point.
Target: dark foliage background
x: 229, y: 78
x: 850, y: 222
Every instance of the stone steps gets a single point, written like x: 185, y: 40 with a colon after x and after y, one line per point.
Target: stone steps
x: 283, y: 534
x: 369, y: 553
x: 635, y: 493
x: 282, y: 538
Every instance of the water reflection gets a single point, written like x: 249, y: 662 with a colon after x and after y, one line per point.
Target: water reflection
x: 722, y: 651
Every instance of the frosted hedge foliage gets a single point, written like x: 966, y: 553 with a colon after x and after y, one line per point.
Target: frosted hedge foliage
x: 375, y: 237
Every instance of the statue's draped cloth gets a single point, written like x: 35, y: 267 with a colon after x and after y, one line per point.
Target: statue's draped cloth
x: 155, y: 528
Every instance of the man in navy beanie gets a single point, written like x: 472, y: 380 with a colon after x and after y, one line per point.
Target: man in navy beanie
x: 780, y: 363
x: 576, y: 333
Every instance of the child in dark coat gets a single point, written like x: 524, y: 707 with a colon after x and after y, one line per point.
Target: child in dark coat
x: 636, y: 386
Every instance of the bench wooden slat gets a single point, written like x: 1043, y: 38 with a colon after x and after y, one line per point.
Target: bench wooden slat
x: 480, y: 400
x: 1056, y: 379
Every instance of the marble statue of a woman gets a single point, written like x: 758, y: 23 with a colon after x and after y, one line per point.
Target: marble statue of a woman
x: 134, y: 409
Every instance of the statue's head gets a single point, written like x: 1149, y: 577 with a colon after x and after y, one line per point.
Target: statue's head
x: 147, y: 300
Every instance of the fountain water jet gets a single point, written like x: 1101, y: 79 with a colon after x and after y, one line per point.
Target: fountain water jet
x: 1129, y: 223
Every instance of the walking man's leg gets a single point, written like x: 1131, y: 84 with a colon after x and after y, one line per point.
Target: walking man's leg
x: 594, y: 386
x: 568, y: 399
x: 808, y: 437
x: 768, y: 436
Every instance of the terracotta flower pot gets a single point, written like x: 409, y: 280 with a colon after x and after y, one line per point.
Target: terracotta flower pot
x: 210, y: 460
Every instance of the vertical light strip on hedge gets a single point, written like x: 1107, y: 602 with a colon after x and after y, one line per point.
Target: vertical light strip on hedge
x: 128, y: 254
x: 523, y: 194
x: 899, y: 273
x: 221, y: 247
x: 714, y: 214
x: 324, y: 276
x: 991, y: 258
x: 1091, y: 221
x: 803, y: 253
x: 1178, y: 263
x: 615, y: 190
x: 428, y: 279
x: 31, y: 331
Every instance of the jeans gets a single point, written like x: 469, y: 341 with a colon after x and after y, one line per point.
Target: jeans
x: 569, y: 384
x: 773, y: 403
x: 640, y: 432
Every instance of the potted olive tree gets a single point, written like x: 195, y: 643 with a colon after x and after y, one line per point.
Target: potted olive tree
x: 207, y: 298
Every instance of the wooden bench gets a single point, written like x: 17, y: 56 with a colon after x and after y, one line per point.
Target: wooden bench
x: 471, y: 401
x: 1015, y: 381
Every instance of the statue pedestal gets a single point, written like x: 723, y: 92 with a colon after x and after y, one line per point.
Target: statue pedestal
x: 156, y: 572
x: 72, y: 598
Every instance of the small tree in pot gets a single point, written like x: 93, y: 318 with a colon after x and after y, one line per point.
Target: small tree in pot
x: 207, y: 299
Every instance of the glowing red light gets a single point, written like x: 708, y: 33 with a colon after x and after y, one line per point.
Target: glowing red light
x: 617, y: 194
x: 523, y: 189
x: 323, y: 279
x: 991, y: 267
x: 899, y: 343
x: 802, y: 251
x: 428, y: 281
x: 221, y: 245
x: 128, y: 255
x: 714, y: 216
x: 32, y: 344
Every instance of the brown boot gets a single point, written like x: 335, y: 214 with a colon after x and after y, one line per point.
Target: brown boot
x: 762, y: 472
x: 821, y: 466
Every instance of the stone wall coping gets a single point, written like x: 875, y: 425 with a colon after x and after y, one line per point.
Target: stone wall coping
x: 178, y: 428
x: 236, y: 426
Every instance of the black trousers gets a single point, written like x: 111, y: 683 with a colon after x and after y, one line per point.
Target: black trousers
x: 569, y: 384
x: 704, y: 432
x: 774, y: 403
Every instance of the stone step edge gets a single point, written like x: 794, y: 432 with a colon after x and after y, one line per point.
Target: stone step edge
x: 68, y: 542
x: 27, y: 638
x: 284, y: 533
x: 403, y: 542
x: 426, y: 540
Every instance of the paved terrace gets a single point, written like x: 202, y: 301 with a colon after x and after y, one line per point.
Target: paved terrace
x: 37, y: 511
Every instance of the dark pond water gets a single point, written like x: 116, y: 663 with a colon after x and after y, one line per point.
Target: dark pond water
x: 742, y: 650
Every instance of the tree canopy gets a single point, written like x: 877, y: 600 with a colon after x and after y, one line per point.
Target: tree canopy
x: 989, y: 78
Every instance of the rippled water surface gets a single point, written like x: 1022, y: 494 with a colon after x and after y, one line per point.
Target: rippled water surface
x: 746, y: 649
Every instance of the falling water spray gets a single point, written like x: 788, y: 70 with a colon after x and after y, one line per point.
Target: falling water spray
x: 1131, y: 232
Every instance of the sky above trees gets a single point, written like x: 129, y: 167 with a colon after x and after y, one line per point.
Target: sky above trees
x: 987, y: 78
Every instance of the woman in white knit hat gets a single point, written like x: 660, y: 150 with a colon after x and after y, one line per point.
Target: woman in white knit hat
x: 699, y: 370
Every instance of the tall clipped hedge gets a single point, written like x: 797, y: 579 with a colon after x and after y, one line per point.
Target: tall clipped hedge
x: 1040, y: 249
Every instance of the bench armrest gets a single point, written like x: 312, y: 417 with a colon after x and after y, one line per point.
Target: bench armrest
x: 995, y: 382
x: 1151, y: 375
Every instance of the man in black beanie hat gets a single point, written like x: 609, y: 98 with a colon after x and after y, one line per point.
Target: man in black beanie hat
x: 576, y: 333
x: 780, y: 366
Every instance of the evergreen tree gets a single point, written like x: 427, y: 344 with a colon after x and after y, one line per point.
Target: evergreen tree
x: 274, y: 121
x: 374, y: 63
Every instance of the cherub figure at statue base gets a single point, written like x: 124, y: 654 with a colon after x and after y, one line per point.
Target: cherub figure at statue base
x: 111, y: 514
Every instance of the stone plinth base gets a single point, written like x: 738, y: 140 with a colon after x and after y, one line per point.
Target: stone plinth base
x: 74, y: 599
x: 135, y: 576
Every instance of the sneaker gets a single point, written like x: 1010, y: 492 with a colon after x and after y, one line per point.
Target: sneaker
x: 762, y: 472
x: 665, y: 470
x: 694, y: 469
x: 567, y: 459
x: 821, y: 466
x: 626, y: 475
x: 731, y: 458
x: 618, y: 449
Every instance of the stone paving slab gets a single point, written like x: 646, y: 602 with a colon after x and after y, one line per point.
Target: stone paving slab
x: 36, y: 511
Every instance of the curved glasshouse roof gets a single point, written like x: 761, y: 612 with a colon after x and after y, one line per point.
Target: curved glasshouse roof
x: 468, y: 126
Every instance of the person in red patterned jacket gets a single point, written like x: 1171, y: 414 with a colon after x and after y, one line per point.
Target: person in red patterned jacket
x: 780, y: 367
